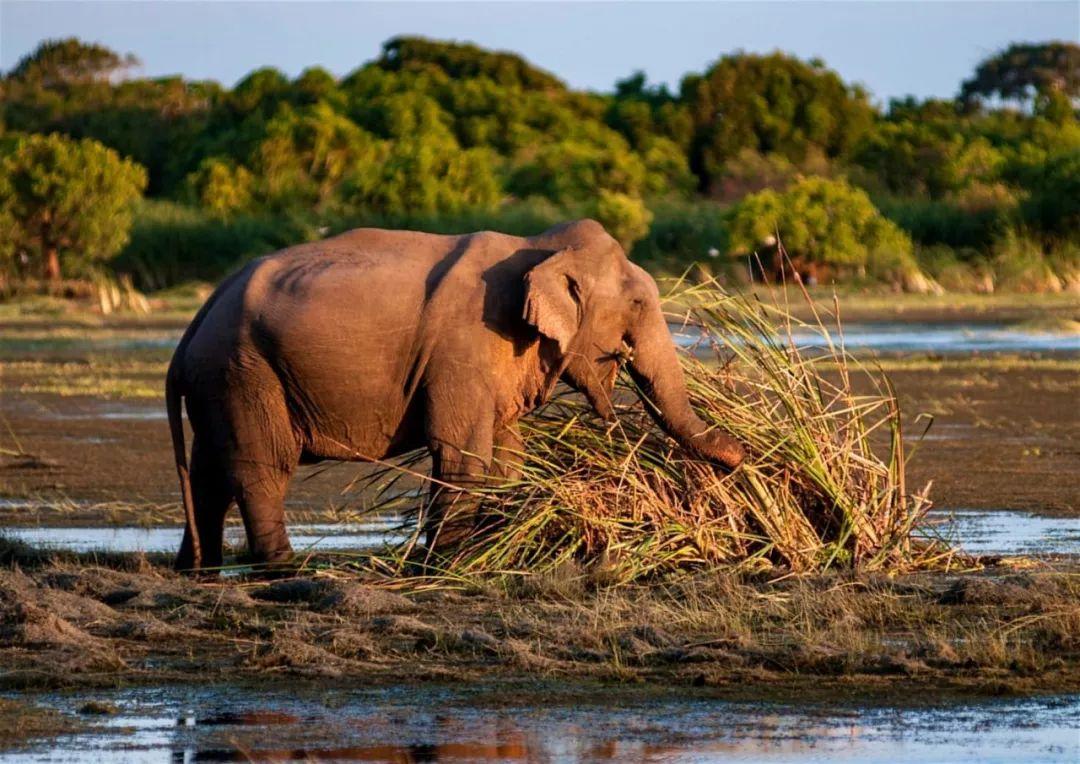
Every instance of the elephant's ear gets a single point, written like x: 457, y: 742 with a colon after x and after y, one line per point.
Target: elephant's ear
x: 553, y: 298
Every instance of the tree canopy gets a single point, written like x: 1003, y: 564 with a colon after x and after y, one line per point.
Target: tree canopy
x: 456, y: 135
x: 771, y: 104
x: 1025, y: 71
x: 58, y: 62
x: 64, y: 201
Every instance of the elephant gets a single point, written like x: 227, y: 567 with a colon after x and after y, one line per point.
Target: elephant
x: 374, y: 343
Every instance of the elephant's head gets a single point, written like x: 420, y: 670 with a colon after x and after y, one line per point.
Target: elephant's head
x: 590, y: 300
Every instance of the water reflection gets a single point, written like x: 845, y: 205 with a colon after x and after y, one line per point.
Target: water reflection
x: 1007, y: 532
x: 560, y: 723
x: 341, y: 537
x: 973, y: 530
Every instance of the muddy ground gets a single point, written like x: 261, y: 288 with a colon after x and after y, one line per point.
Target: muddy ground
x: 65, y: 622
x: 1005, y: 435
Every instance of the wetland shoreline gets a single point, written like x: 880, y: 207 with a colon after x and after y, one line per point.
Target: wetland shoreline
x: 67, y: 621
x: 90, y: 445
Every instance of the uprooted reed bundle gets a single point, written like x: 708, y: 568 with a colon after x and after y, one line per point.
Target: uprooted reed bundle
x: 823, y: 484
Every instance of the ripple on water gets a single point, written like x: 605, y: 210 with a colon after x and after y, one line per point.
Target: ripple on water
x: 429, y: 723
x: 904, y: 336
x: 1007, y: 532
x: 341, y: 537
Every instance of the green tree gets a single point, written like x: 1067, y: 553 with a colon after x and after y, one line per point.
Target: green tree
x: 316, y: 84
x: 66, y: 61
x: 305, y: 155
x: 424, y: 175
x: 221, y: 187
x: 1053, y: 205
x: 1026, y: 71
x: 462, y: 61
x: 84, y: 91
x: 261, y: 91
x: 625, y: 217
x: 771, y: 104
x: 926, y: 158
x: 823, y: 221
x: 574, y: 171
x: 70, y: 201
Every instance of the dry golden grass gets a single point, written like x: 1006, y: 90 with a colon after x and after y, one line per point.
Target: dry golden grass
x: 823, y: 486
x: 66, y: 620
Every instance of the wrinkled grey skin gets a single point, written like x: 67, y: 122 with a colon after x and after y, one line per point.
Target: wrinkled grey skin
x: 374, y: 343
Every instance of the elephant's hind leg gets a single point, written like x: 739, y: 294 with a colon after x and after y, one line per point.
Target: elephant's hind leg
x: 262, y: 505
x: 260, y: 477
x: 211, y: 496
x: 261, y: 462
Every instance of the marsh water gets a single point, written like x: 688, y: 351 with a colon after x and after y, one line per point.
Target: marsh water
x: 928, y: 337
x: 882, y: 336
x: 548, y: 723
x: 983, y: 532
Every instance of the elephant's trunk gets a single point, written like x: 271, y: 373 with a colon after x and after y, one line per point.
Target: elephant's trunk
x: 656, y: 370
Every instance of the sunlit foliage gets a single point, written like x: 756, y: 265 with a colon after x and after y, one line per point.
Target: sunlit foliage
x: 824, y: 221
x: 449, y: 136
x: 65, y: 203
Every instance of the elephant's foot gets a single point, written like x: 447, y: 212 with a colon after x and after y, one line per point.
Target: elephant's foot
x: 448, y: 535
x: 185, y: 564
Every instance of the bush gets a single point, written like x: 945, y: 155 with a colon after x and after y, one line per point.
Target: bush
x: 683, y: 232
x: 947, y: 222
x: 172, y: 243
x: 221, y: 187
x: 625, y: 217
x: 823, y: 221
x: 956, y: 271
x: 1021, y: 266
x: 1054, y: 203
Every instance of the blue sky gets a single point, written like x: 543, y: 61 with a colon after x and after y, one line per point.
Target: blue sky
x: 893, y: 48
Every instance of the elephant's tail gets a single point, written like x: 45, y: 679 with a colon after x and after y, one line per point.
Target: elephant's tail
x: 176, y: 427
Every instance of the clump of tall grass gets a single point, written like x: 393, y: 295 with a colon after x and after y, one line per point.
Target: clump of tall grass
x: 823, y: 485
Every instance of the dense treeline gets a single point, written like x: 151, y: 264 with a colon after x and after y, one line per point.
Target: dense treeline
x: 980, y: 191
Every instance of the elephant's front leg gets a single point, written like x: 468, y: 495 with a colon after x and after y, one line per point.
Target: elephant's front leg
x: 508, y: 452
x: 461, y: 456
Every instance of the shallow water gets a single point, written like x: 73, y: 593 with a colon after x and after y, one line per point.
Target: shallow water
x: 341, y: 537
x: 558, y: 723
x: 1004, y: 532
x: 897, y: 336
x: 884, y: 336
x: 1008, y: 532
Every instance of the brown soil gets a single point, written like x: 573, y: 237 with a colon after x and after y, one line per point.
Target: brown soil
x: 91, y: 469
x: 999, y: 439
